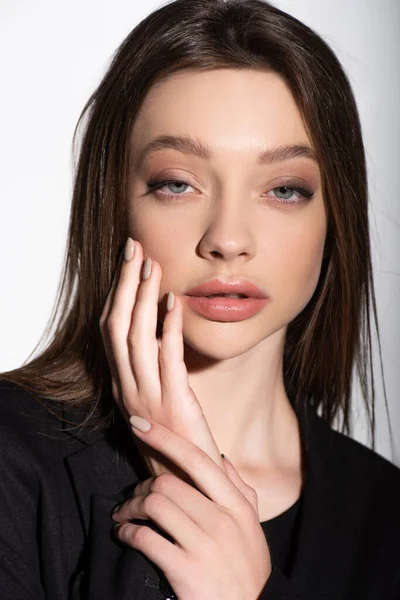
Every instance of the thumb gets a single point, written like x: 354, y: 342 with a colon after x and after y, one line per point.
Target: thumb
x: 248, y: 492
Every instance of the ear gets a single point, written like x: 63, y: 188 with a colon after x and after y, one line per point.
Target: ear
x: 248, y: 492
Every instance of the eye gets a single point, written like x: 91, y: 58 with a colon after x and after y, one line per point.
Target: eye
x: 156, y: 186
x: 284, y: 193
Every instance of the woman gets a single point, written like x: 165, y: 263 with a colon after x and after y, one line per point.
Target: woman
x: 222, y: 150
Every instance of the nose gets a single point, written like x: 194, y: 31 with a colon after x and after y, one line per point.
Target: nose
x: 229, y: 233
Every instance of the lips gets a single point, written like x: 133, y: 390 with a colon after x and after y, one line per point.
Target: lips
x: 220, y: 287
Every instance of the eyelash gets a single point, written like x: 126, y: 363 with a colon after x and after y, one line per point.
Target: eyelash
x: 154, y: 186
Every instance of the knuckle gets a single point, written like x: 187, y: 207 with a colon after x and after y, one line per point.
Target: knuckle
x: 224, y: 524
x: 163, y: 482
x: 247, y: 510
x: 209, y: 546
x: 132, y: 342
x: 140, y: 535
x: 153, y: 502
x: 112, y: 324
x: 197, y: 461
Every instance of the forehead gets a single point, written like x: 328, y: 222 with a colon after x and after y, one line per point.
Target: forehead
x: 232, y: 109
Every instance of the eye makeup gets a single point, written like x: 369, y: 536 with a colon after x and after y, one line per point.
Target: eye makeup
x: 287, y: 187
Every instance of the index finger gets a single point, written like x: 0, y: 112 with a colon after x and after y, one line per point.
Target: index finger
x: 210, y: 479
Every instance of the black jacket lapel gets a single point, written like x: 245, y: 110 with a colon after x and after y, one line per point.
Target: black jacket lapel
x: 102, y: 477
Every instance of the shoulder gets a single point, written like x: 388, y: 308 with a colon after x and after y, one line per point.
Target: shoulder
x: 33, y: 427
x: 361, y: 463
x: 365, y: 478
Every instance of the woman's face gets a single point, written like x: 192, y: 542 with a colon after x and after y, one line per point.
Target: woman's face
x: 227, y: 216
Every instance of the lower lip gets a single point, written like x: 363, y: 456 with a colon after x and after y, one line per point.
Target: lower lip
x: 226, y: 309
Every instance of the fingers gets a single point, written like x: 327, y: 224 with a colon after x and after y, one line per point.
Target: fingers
x: 119, y: 319
x: 128, y: 325
x: 173, y: 373
x: 209, y: 478
x: 150, y: 376
x: 185, y: 412
x: 115, y: 322
x: 110, y: 296
x: 105, y: 332
x: 148, y: 368
x: 244, y: 487
x: 180, y: 510
x: 164, y: 512
x: 158, y: 549
x: 142, y: 346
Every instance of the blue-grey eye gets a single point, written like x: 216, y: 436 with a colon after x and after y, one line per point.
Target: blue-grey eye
x: 286, y: 192
x: 177, y: 184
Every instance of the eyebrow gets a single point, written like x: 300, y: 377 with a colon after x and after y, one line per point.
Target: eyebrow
x: 188, y: 145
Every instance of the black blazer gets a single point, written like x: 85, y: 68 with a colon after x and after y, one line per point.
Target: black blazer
x: 58, y: 486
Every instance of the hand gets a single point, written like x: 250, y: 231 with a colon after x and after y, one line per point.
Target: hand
x: 149, y: 376
x: 220, y: 550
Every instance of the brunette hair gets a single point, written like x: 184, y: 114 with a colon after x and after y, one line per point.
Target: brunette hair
x: 332, y: 336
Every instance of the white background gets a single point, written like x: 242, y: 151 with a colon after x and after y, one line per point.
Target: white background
x: 53, y: 55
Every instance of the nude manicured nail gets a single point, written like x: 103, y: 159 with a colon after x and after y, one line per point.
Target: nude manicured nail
x: 140, y: 423
x: 170, y: 301
x: 114, y: 510
x: 129, y: 249
x: 146, y: 268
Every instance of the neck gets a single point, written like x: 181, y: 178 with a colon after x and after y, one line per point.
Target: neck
x: 246, y: 406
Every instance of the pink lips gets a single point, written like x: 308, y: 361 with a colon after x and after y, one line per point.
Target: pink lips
x: 226, y: 309
x: 219, y: 286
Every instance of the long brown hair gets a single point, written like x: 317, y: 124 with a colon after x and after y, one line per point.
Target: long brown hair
x: 331, y: 338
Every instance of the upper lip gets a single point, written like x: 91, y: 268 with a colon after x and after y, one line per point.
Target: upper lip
x: 221, y: 286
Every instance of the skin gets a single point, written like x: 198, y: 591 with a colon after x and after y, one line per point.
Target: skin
x: 205, y: 384
x: 217, y: 539
x: 227, y: 221
x: 209, y: 511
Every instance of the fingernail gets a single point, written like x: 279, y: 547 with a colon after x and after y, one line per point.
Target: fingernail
x: 114, y: 510
x: 116, y: 527
x: 129, y: 249
x: 170, y: 301
x: 146, y: 268
x: 140, y: 423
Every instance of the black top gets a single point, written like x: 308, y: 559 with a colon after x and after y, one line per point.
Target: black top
x: 278, y: 532
x: 58, y: 486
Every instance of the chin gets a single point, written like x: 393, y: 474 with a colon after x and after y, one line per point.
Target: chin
x: 213, y: 352
x: 218, y: 341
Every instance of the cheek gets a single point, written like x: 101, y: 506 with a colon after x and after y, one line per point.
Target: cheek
x: 300, y: 266
x: 155, y: 224
x: 147, y: 226
x: 165, y: 241
x: 303, y: 270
